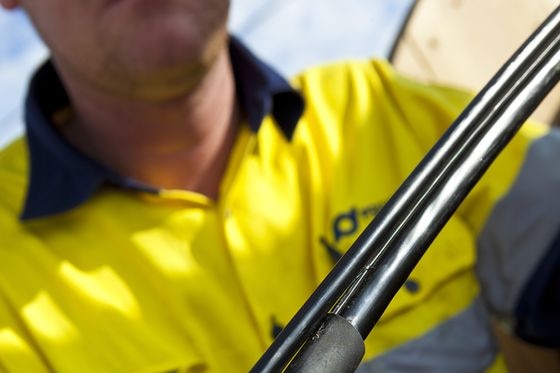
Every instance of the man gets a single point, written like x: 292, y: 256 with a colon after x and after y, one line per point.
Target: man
x: 182, y: 202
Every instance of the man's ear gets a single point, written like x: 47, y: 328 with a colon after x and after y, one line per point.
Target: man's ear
x: 9, y: 4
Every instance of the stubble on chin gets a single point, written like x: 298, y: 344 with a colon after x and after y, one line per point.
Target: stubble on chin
x: 161, y: 64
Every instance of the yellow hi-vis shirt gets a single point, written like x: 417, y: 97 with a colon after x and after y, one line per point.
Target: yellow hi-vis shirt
x: 133, y: 282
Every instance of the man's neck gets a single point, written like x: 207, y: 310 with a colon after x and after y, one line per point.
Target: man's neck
x: 180, y: 143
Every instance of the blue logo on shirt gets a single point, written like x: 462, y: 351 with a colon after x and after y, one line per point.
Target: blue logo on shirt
x: 347, y: 224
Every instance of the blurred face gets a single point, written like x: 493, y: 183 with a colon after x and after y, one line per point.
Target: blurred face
x: 140, y: 48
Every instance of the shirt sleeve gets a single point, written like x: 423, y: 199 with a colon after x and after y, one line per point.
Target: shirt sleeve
x: 538, y: 310
x: 519, y: 248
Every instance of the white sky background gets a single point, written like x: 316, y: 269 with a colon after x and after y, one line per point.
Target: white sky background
x: 20, y: 52
x: 290, y: 34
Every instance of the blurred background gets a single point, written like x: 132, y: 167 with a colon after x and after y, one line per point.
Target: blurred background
x: 459, y: 42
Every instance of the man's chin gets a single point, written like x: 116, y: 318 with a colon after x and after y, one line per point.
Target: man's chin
x: 163, y: 79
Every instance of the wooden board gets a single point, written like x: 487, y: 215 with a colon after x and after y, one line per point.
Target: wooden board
x: 464, y: 42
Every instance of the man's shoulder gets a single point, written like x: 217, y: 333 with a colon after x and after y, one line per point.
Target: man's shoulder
x: 14, y: 176
x: 339, y: 73
x: 375, y: 81
x: 14, y: 160
x: 343, y: 93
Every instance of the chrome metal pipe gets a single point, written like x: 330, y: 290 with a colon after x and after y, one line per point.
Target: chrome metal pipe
x: 476, y: 136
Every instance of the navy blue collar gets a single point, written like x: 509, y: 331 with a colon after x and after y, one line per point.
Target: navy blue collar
x: 61, y: 177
